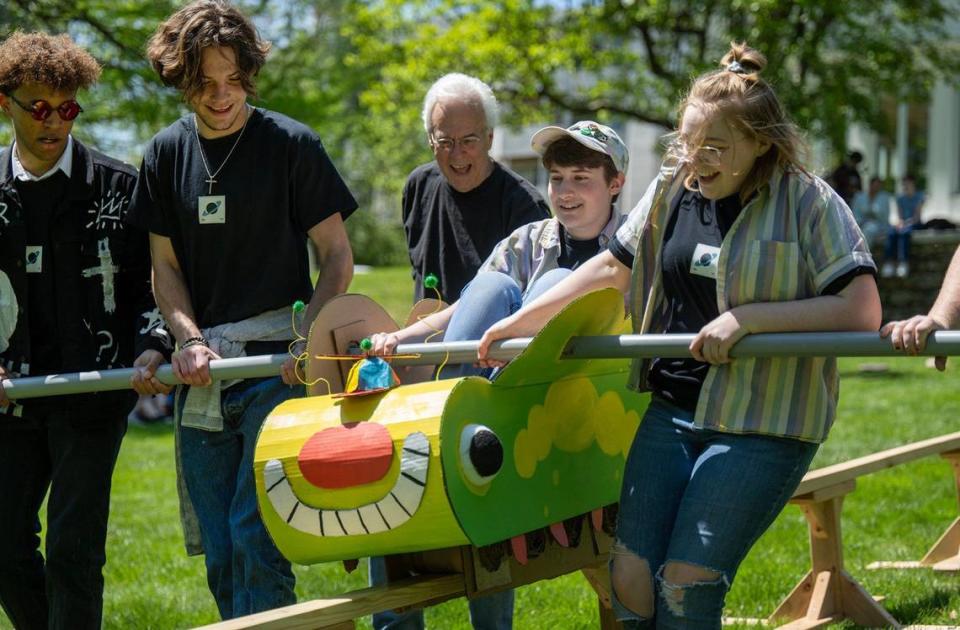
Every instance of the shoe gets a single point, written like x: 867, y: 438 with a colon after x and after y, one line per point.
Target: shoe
x: 903, y: 269
x: 887, y: 270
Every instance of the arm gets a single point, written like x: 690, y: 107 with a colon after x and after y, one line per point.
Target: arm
x: 385, y: 343
x: 917, y: 214
x: 910, y: 335
x: 505, y: 259
x: 335, y: 259
x: 137, y: 277
x: 191, y: 364
x: 855, y: 308
x: 600, y: 272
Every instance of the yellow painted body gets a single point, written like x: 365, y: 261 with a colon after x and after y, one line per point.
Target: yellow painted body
x: 403, y: 411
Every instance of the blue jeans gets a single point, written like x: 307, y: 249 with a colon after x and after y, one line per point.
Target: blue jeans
x: 490, y: 612
x: 698, y: 497
x: 488, y: 298
x: 245, y: 572
x: 898, y: 245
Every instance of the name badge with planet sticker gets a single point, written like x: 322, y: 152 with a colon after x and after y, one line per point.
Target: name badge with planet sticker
x: 34, y: 257
x: 212, y: 209
x: 704, y: 261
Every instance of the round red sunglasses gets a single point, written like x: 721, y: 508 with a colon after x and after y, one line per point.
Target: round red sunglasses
x: 41, y: 110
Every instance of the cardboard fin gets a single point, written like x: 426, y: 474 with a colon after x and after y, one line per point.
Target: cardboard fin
x: 519, y: 546
x: 559, y: 533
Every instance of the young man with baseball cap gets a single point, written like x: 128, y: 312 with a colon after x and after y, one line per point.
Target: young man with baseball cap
x: 587, y: 163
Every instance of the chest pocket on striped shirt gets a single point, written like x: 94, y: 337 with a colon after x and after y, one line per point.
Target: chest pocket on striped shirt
x: 773, y: 272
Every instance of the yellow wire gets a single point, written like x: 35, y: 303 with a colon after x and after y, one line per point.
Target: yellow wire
x: 305, y: 356
x: 437, y: 331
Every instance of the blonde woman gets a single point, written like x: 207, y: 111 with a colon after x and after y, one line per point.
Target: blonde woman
x: 734, y: 237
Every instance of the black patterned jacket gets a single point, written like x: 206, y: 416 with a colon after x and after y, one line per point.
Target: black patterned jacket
x: 106, y: 315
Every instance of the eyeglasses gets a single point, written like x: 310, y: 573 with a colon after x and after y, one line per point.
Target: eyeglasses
x: 703, y: 154
x: 41, y: 110
x: 467, y: 143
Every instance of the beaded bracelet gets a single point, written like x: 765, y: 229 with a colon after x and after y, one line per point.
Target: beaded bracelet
x: 194, y: 341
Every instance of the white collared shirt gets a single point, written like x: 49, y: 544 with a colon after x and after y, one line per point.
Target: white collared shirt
x: 65, y: 164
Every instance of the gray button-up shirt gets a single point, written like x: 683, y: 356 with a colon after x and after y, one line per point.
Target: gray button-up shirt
x: 533, y: 249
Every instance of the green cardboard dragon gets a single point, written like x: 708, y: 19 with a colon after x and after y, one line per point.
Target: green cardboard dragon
x: 454, y: 462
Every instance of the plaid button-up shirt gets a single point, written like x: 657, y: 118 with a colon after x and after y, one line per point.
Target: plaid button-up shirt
x: 792, y: 240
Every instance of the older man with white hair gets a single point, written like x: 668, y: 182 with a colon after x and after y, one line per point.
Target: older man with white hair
x: 459, y: 206
x: 455, y: 211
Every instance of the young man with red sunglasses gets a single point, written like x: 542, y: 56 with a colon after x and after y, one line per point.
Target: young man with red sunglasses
x: 74, y: 296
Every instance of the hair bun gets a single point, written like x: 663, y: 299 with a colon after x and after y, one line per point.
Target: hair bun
x: 742, y: 59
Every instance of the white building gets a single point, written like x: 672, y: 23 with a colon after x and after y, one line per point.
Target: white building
x: 936, y: 125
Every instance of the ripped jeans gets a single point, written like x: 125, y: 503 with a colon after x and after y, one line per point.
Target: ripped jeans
x: 694, y: 500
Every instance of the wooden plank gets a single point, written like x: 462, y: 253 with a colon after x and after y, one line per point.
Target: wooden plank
x: 831, y: 475
x: 326, y: 613
x: 825, y: 494
x: 947, y: 547
x: 863, y: 609
x: 894, y: 564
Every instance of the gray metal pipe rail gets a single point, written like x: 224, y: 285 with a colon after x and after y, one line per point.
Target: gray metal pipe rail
x: 819, y: 344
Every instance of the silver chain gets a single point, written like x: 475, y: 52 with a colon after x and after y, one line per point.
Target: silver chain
x: 196, y: 130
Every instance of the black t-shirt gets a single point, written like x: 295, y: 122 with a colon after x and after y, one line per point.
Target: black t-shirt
x: 247, y: 253
x: 450, y: 233
x: 573, y: 252
x: 691, y: 245
x: 40, y: 200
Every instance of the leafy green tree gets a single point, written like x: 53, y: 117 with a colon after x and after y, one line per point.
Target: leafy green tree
x: 832, y: 62
x: 304, y: 78
x: 129, y: 103
x: 357, y: 70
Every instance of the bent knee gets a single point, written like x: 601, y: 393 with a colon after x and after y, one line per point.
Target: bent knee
x: 631, y: 581
x: 692, y: 591
x: 494, y: 281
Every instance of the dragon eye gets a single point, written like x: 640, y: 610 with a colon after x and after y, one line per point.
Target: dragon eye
x: 481, y: 454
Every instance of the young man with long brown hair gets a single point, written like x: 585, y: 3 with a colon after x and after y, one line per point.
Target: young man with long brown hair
x: 230, y: 194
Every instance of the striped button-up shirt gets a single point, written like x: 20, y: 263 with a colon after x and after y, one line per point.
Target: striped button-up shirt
x: 790, y: 242
x: 533, y: 249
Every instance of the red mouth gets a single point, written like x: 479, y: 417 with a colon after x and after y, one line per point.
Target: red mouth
x: 347, y: 455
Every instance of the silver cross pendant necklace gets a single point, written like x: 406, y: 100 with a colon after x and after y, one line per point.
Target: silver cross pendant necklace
x: 211, y: 177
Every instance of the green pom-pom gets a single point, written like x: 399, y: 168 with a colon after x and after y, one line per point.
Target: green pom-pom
x: 431, y: 281
x: 298, y: 306
x: 366, y: 344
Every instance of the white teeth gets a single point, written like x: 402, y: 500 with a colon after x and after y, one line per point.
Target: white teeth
x: 393, y: 510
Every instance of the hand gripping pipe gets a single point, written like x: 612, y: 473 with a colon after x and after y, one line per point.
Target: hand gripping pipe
x: 819, y: 344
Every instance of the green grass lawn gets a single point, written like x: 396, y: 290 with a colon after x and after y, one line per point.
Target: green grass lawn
x: 391, y: 287
x: 893, y: 515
